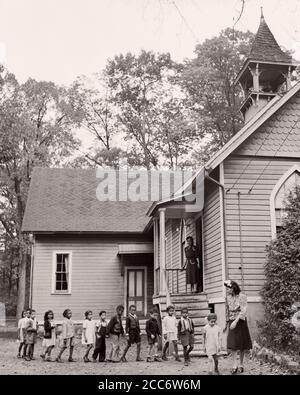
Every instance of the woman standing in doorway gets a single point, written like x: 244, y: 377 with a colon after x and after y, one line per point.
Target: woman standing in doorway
x: 238, y: 338
x: 192, y: 264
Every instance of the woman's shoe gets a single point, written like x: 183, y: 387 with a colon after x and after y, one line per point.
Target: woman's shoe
x: 234, y: 370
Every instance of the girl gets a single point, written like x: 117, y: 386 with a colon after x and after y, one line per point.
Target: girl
x: 169, y: 329
x: 49, y: 336
x: 21, y: 326
x: 31, y: 335
x: 212, y: 342
x: 238, y: 338
x: 68, y: 334
x: 88, y: 334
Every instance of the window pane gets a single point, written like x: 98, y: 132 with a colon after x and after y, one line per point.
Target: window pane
x: 131, y: 283
x: 58, y: 285
x: 64, y: 286
x: 139, y: 283
x: 58, y: 268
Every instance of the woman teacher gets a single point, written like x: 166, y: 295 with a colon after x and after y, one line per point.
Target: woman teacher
x: 192, y: 264
x: 238, y: 338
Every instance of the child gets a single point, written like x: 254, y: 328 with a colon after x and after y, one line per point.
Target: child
x: 23, y: 330
x: 21, y: 325
x: 134, y: 333
x: 49, y: 336
x: 100, y: 348
x: 169, y: 328
x: 114, y: 330
x: 186, y: 334
x: 153, y: 333
x: 88, y: 334
x: 31, y: 335
x: 212, y: 342
x: 68, y: 334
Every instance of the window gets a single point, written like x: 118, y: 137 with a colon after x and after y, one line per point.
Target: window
x: 287, y: 183
x: 182, y: 240
x: 61, y: 280
x: 290, y: 183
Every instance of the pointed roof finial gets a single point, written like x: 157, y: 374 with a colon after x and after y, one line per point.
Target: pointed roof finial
x: 261, y: 12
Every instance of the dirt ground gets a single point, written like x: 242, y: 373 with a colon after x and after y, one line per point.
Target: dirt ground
x: 11, y: 365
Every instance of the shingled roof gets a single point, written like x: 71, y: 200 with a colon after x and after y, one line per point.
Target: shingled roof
x: 265, y: 47
x: 64, y: 200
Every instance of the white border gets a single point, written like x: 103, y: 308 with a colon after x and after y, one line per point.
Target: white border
x: 276, y: 188
x: 53, y: 291
x: 126, y: 268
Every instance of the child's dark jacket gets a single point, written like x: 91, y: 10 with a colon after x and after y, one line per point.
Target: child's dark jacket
x: 152, y: 327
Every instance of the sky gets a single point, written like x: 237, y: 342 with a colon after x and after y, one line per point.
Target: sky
x: 59, y: 40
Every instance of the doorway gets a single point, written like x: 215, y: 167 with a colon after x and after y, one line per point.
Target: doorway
x: 136, y: 289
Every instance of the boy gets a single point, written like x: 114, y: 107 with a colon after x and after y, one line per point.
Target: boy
x: 68, y: 336
x: 169, y: 328
x: 100, y: 347
x: 31, y: 335
x: 114, y: 330
x: 153, y: 333
x: 212, y: 342
x: 186, y: 334
x: 134, y: 333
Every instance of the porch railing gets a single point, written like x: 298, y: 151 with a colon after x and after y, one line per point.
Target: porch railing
x: 176, y: 281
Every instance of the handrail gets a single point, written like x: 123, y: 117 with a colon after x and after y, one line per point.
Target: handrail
x: 177, y: 271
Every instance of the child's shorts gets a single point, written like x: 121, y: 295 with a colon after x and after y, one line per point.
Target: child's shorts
x: 152, y: 341
x: 187, y: 339
x: 134, y: 337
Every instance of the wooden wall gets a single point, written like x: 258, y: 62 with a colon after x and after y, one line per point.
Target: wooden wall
x: 97, y: 281
x: 212, y: 242
x: 246, y: 240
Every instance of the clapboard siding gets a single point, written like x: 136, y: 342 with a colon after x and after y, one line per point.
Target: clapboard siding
x: 212, y: 242
x: 255, y: 224
x: 97, y: 279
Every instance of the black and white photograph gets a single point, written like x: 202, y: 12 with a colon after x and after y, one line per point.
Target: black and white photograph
x: 150, y: 190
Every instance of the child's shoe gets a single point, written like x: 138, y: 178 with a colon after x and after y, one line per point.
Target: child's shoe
x: 217, y: 372
x: 59, y: 360
x: 94, y: 360
x: 157, y: 359
x: 19, y: 355
x: 123, y: 359
x: 149, y: 359
x: 72, y: 360
x: 43, y: 356
x: 177, y: 359
x: 139, y: 359
x: 164, y: 358
x: 186, y: 363
x: 27, y: 359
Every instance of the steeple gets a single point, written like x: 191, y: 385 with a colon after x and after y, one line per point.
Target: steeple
x: 266, y: 72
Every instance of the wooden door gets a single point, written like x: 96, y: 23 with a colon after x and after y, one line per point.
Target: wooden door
x: 136, y: 290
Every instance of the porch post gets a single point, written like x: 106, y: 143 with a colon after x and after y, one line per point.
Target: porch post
x: 162, y: 258
x: 156, y: 255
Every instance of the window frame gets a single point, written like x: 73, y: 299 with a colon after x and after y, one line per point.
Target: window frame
x: 54, y: 291
x: 278, y: 185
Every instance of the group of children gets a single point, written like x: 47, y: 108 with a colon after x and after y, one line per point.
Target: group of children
x: 94, y: 334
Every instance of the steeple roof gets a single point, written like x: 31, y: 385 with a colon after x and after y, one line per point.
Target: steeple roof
x: 265, y: 47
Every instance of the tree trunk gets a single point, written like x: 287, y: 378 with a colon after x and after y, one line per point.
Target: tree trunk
x: 21, y: 283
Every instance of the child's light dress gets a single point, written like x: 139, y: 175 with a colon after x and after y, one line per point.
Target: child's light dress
x: 212, y: 339
x: 90, y: 332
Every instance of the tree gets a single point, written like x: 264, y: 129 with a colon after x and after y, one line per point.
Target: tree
x: 209, y: 83
x: 35, y: 130
x: 92, y: 104
x: 133, y: 82
x: 282, y: 284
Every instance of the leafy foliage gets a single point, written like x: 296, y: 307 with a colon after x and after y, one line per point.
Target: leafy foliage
x: 282, y: 285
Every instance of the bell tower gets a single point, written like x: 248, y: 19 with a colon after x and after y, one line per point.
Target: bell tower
x: 266, y: 72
